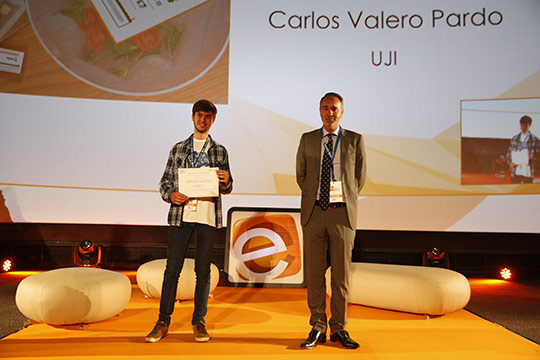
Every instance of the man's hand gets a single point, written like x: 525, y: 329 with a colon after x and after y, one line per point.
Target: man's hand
x: 179, y: 198
x: 223, y: 176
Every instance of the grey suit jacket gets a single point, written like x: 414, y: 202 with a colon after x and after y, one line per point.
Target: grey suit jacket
x: 353, y: 170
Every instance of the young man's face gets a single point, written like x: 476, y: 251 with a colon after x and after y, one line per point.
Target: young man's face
x: 525, y: 127
x: 203, y: 120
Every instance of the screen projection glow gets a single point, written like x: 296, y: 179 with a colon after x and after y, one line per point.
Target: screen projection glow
x: 85, y: 131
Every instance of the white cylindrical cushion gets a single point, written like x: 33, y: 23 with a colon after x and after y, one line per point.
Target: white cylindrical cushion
x: 150, y: 278
x: 414, y: 289
x: 73, y: 295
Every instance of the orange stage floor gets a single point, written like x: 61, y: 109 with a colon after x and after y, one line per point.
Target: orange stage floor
x: 247, y: 323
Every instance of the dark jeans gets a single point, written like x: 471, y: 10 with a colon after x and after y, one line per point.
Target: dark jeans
x: 518, y: 179
x: 178, y: 240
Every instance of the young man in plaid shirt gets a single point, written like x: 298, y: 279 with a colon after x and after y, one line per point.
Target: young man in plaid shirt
x: 188, y: 215
x: 525, y: 143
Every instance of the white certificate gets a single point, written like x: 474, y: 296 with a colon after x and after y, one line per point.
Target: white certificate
x: 198, y: 182
x: 520, y: 157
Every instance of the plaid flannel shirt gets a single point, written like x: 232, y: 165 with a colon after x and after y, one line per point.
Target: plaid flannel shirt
x: 534, y: 148
x: 180, y: 156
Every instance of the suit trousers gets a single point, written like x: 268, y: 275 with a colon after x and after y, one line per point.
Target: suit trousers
x: 328, y: 230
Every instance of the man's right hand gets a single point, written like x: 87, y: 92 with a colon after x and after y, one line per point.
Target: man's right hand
x: 179, y: 198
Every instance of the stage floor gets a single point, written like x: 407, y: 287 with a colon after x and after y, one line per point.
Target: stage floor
x: 247, y: 323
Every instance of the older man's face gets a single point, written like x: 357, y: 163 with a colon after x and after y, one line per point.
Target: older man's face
x: 331, y: 110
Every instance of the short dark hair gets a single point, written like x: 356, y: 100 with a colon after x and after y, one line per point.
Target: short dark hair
x: 332, y: 94
x: 525, y: 119
x: 204, y: 105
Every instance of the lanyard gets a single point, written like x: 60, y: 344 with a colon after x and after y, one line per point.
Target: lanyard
x: 332, y: 154
x: 525, y: 143
x: 196, y: 162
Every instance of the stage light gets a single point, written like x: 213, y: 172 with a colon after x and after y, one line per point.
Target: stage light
x: 435, y: 257
x: 87, y: 254
x: 506, y: 273
x: 7, y: 265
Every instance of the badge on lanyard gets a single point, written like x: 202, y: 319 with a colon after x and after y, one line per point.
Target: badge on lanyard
x: 191, y: 205
x: 336, y: 187
x: 336, y: 191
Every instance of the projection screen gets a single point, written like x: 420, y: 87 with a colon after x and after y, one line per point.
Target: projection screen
x: 92, y: 105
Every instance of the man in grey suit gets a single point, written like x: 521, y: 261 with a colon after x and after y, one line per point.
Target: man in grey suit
x: 330, y: 170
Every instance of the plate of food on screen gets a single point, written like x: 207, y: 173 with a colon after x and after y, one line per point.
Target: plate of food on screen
x: 152, y: 60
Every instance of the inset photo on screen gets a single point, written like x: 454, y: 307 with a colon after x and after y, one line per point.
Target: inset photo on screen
x: 499, y: 141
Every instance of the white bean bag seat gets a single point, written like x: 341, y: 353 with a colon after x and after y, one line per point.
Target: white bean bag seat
x: 150, y: 278
x: 76, y: 295
x: 413, y: 289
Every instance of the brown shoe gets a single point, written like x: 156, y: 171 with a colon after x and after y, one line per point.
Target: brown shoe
x: 159, y: 331
x: 201, y: 335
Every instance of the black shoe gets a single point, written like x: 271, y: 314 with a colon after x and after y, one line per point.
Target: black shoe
x: 345, y: 340
x: 314, y: 338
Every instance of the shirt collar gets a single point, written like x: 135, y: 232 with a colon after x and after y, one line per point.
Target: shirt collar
x: 210, y: 140
x: 335, y: 132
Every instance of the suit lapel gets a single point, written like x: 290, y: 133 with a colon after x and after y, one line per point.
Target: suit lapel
x: 316, y: 147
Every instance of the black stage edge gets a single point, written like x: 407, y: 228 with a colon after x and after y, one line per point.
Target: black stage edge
x: 36, y: 246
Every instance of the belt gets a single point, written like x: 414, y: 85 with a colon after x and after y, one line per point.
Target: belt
x: 331, y: 205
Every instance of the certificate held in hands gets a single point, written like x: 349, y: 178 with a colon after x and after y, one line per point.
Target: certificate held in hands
x: 198, y: 182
